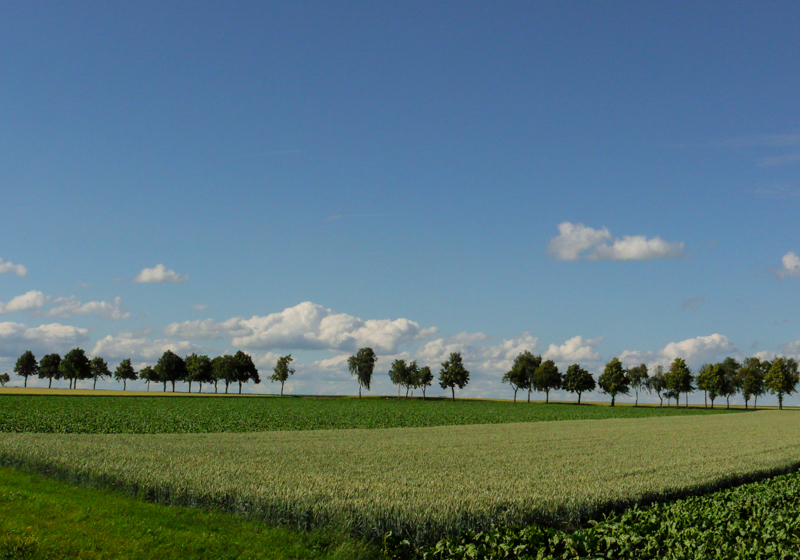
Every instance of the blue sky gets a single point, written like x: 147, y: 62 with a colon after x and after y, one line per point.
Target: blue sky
x: 421, y: 178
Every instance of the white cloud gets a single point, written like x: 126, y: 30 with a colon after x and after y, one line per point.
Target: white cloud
x: 791, y: 265
x: 578, y: 242
x: 16, y: 338
x: 18, y: 269
x: 68, y: 306
x: 159, y: 273
x: 306, y: 326
x: 28, y: 301
x: 135, y: 346
x: 576, y: 349
x: 695, y: 351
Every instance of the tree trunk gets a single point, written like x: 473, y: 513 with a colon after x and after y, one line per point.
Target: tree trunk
x: 515, y: 396
x: 705, y: 399
x: 755, y: 402
x: 148, y: 385
x: 547, y: 397
x: 124, y: 384
x: 529, y: 395
x: 454, y: 393
x: 727, y: 403
x: 215, y: 387
x: 359, y: 390
x: 745, y: 404
x: 780, y: 401
x: 637, y: 398
x: 687, y: 399
x: 190, y: 385
x: 94, y: 387
x: 226, y: 387
x: 712, y: 404
x: 201, y: 388
x: 661, y: 402
x: 165, y: 386
x: 613, y: 398
x: 173, y: 386
x: 407, y: 392
x: 281, y: 388
x: 240, y: 387
x: 50, y: 385
x: 579, y: 397
x: 26, y: 381
x: 423, y: 392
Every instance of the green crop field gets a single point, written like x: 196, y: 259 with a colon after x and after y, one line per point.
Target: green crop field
x: 425, y: 483
x: 153, y: 415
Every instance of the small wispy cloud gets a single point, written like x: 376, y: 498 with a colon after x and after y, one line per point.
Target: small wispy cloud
x: 790, y: 265
x: 158, y: 273
x: 18, y: 269
x: 579, y: 242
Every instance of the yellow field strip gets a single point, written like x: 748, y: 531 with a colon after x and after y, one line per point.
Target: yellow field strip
x: 426, y: 482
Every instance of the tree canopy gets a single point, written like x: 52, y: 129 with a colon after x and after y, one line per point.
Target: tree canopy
x: 782, y: 378
x: 75, y: 366
x: 578, y: 380
x: 638, y: 379
x: 453, y: 374
x: 99, y: 369
x: 362, y: 365
x: 282, y: 370
x: 547, y: 377
x: 613, y: 380
x: 48, y: 368
x: 679, y: 379
x: 170, y: 369
x: 26, y: 366
x: 125, y: 373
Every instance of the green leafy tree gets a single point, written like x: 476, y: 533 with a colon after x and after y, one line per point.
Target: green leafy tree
x: 679, y: 379
x: 702, y: 382
x: 198, y: 369
x: 125, y: 373
x: 170, y: 368
x: 751, y: 380
x: 99, y: 369
x: 578, y: 380
x: 362, y: 365
x: 245, y: 369
x: 4, y: 378
x: 638, y: 379
x: 282, y: 371
x: 424, y: 379
x: 782, y: 378
x: 48, y: 368
x: 224, y: 369
x: 26, y: 366
x: 149, y: 375
x: 730, y: 379
x: 522, y: 371
x: 75, y: 366
x: 711, y: 380
x: 657, y: 383
x: 453, y: 374
x: 546, y: 378
x: 613, y: 380
x: 402, y: 375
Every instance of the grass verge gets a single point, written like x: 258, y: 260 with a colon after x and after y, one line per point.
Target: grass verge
x: 41, y: 518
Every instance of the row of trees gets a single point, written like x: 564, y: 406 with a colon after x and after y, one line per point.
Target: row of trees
x: 752, y: 378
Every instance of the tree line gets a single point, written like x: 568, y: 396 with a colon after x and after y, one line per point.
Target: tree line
x: 752, y: 378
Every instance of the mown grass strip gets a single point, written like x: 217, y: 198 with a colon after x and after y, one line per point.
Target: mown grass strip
x: 155, y: 415
x: 41, y: 518
x: 425, y: 483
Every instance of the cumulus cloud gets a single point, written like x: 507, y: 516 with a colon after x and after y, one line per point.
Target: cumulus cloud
x: 158, y: 273
x: 695, y: 351
x: 791, y: 265
x: 28, y: 301
x: 306, y: 326
x: 138, y: 347
x: 16, y: 338
x: 576, y: 349
x: 68, y: 306
x: 579, y: 242
x: 18, y: 269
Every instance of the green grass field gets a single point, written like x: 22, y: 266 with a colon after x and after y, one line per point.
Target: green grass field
x: 129, y: 414
x: 426, y: 482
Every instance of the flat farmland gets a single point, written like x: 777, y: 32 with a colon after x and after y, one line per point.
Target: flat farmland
x: 426, y: 483
x: 157, y: 415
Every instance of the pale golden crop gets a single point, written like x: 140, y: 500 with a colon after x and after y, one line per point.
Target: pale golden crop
x: 427, y: 482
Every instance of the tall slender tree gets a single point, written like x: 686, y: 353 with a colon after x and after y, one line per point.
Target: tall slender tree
x: 403, y: 375
x: 520, y: 376
x: 578, y: 380
x: 282, y: 370
x: 245, y: 369
x: 657, y: 383
x: 48, y: 368
x: 224, y: 369
x: 453, y: 374
x: 679, y: 379
x: 149, y: 375
x: 198, y: 369
x: 362, y: 365
x: 125, y: 373
x: 75, y: 366
x: 424, y: 379
x: 26, y: 366
x: 638, y: 379
x: 751, y: 380
x: 782, y: 378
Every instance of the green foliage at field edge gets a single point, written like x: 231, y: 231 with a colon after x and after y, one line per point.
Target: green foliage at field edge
x: 154, y: 415
x: 754, y: 521
x: 42, y: 518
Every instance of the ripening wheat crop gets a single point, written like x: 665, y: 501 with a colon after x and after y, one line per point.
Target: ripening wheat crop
x: 426, y: 482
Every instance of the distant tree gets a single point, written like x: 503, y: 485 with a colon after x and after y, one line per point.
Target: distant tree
x: 613, y: 380
x: 245, y: 369
x: 453, y: 374
x: 48, y: 368
x: 730, y: 379
x: 751, y: 380
x: 679, y: 379
x: 711, y: 379
x: 26, y: 366
x: 282, y: 371
x: 578, y: 380
x: 170, y: 369
x: 702, y: 382
x: 75, y: 366
x: 100, y: 369
x: 224, y: 369
x: 657, y: 383
x: 520, y: 376
x: 546, y: 378
x: 424, y: 379
x: 198, y: 369
x: 125, y: 373
x: 4, y: 378
x: 148, y: 374
x: 782, y: 378
x: 403, y: 375
x: 362, y: 365
x: 638, y: 379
